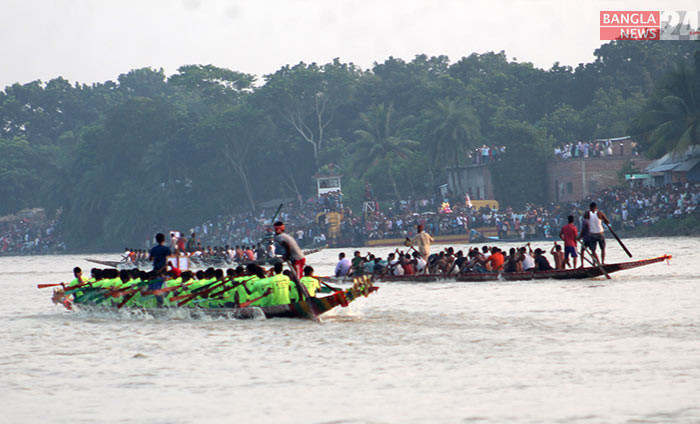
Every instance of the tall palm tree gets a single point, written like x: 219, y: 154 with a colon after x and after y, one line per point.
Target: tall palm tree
x: 380, y: 142
x: 671, y: 120
x: 454, y: 129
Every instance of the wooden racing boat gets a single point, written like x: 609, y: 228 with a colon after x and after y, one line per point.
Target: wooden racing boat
x: 560, y: 274
x: 315, y: 306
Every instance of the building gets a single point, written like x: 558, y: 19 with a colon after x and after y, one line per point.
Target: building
x: 474, y: 180
x: 327, y: 183
x: 676, y: 167
x: 575, y: 179
x: 567, y: 179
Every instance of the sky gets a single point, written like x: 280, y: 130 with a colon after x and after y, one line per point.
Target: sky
x: 90, y: 41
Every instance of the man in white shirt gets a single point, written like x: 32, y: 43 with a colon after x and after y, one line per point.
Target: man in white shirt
x: 343, y: 266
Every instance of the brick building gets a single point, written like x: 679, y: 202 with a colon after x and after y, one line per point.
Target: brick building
x: 567, y: 180
x: 574, y: 179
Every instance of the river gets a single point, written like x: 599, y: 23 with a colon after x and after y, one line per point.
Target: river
x: 625, y: 350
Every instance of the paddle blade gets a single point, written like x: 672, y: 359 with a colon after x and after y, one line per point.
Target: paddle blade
x: 43, y: 286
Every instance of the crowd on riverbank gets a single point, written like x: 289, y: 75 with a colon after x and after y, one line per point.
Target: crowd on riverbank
x: 311, y: 222
x: 20, y: 237
x: 627, y: 208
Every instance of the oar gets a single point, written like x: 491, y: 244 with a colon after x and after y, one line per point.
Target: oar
x: 220, y: 293
x: 598, y: 264
x: 409, y: 244
x: 43, y: 286
x: 618, y: 240
x: 128, y: 297
x: 202, y: 292
x: 70, y: 290
x: 248, y: 303
x: 594, y: 261
x: 329, y: 286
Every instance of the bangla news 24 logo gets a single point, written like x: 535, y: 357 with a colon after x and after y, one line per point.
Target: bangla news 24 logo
x: 649, y: 25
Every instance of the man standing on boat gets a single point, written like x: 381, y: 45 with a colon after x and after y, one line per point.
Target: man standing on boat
x: 159, y: 253
x: 596, y: 219
x: 569, y: 234
x: 422, y: 240
x: 289, y: 248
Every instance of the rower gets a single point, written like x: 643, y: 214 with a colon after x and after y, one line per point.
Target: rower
x: 343, y: 267
x: 541, y: 261
x: 309, y: 281
x: 78, y: 274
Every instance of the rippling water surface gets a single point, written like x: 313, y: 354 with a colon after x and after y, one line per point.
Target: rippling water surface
x: 584, y: 351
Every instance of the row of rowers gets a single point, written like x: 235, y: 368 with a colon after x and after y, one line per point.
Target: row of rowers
x: 212, y: 288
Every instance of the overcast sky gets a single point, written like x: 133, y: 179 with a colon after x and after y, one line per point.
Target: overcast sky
x: 96, y: 40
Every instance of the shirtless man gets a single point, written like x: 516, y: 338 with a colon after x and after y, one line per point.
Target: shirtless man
x: 558, y: 256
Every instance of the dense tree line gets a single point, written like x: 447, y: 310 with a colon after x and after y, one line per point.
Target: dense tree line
x: 119, y: 158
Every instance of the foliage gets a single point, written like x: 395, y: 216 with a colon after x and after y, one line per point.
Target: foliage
x: 146, y: 152
x: 671, y: 119
x: 518, y: 178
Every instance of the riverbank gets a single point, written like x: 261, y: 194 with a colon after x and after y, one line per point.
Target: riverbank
x: 670, y: 227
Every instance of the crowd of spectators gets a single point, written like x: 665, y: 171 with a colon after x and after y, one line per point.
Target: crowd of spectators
x: 596, y: 148
x: 627, y: 208
x: 23, y: 237
x: 486, y: 154
x: 309, y: 222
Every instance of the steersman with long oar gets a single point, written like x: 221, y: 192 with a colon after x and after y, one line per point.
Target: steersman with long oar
x: 596, y: 218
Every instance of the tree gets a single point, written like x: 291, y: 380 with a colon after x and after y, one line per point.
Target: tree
x: 21, y: 170
x: 236, y: 131
x: 564, y: 124
x: 307, y: 97
x: 380, y: 143
x: 671, y: 119
x: 519, y: 176
x: 454, y: 129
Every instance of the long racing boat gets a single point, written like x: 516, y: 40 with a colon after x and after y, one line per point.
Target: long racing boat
x: 311, y: 308
x: 559, y: 274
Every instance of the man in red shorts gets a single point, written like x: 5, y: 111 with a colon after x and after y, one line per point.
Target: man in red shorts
x: 569, y: 233
x: 289, y: 248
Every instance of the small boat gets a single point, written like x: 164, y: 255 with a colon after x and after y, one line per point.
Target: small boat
x: 315, y: 306
x: 559, y: 274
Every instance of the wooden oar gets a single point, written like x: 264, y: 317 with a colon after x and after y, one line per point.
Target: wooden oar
x: 329, y: 286
x: 594, y: 261
x: 203, y: 292
x: 618, y: 240
x: 43, y: 286
x: 598, y: 264
x: 220, y: 294
x: 251, y: 301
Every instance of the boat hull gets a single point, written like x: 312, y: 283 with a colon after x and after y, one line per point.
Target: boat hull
x: 314, y: 307
x: 562, y: 274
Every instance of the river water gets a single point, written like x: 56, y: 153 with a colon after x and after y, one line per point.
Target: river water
x: 584, y: 351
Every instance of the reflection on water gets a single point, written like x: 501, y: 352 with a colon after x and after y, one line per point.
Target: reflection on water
x: 624, y: 350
